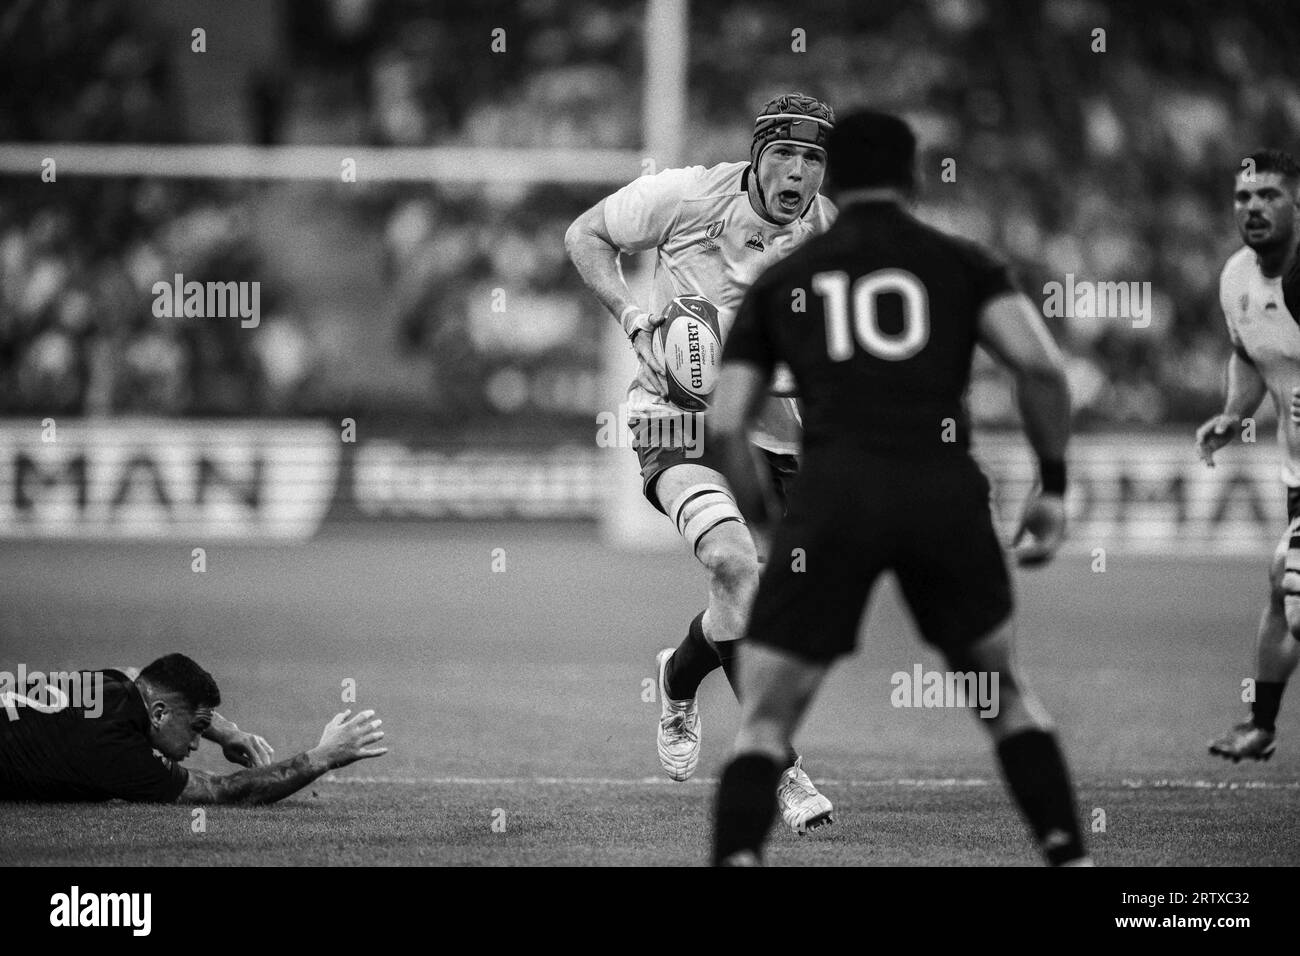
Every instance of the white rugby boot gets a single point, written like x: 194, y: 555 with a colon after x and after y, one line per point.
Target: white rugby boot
x: 803, y: 807
x: 678, y: 738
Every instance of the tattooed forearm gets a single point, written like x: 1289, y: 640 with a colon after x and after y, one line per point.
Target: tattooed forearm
x: 220, y: 729
x: 256, y: 784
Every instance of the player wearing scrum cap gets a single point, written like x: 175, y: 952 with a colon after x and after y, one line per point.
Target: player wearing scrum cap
x: 714, y: 231
x: 882, y: 355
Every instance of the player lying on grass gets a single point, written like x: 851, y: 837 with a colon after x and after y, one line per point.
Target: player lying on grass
x: 882, y: 357
x: 1259, y: 292
x: 713, y: 231
x: 84, y: 752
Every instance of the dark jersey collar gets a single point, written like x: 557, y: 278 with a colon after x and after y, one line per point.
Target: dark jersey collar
x: 130, y: 704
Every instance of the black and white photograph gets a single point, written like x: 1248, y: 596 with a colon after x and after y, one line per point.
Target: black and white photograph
x: 663, y: 433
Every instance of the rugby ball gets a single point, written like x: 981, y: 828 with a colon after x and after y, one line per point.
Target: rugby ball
x: 689, y: 341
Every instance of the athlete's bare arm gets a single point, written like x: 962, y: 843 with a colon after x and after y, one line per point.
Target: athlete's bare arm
x: 595, y: 256
x: 239, y: 746
x: 1246, y: 389
x: 344, y: 741
x: 1013, y: 332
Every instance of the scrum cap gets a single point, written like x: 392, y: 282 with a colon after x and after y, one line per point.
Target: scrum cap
x: 792, y: 118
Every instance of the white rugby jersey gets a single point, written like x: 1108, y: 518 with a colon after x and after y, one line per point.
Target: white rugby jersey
x: 710, y: 241
x: 1261, y: 324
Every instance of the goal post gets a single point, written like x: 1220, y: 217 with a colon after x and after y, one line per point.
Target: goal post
x: 627, y: 520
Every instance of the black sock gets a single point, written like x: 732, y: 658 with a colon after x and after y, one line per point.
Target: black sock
x: 1268, y: 700
x: 746, y: 806
x: 694, y: 660
x: 1039, y: 781
x: 728, y: 655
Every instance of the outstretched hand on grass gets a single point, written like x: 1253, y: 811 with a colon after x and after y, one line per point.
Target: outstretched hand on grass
x: 346, y: 739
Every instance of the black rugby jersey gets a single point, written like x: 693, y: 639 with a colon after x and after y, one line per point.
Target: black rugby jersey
x: 877, y: 318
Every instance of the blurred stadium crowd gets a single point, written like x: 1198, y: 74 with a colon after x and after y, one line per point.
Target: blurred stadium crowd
x: 1111, y: 165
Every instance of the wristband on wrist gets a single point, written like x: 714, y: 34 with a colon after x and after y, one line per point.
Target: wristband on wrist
x: 1052, y: 474
x: 629, y: 315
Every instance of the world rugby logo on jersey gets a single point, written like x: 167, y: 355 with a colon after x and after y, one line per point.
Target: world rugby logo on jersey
x: 711, y: 232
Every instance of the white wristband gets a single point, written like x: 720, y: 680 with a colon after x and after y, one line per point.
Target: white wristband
x: 631, y: 312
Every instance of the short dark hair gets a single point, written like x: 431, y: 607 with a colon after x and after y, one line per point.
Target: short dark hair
x: 1276, y: 161
x: 868, y: 149
x: 180, y: 675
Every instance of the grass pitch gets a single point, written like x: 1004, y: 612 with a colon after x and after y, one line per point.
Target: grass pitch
x: 514, y: 706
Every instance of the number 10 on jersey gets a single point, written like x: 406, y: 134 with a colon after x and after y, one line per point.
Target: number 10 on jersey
x: 833, y: 287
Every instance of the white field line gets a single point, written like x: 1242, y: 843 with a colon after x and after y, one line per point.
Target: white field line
x: 915, y: 783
